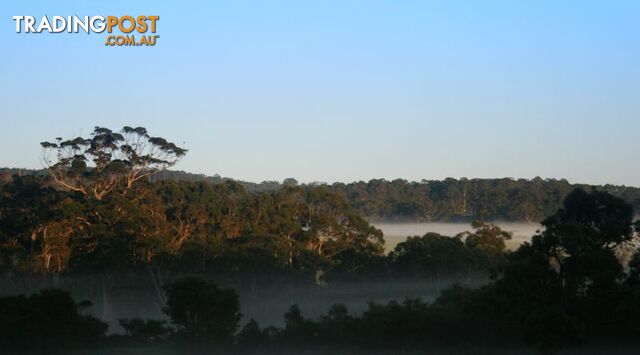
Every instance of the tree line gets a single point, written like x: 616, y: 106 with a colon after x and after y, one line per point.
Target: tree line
x: 448, y: 200
x: 467, y: 199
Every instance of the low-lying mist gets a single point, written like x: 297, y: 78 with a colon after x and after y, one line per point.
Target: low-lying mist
x: 134, y: 295
x: 395, y: 233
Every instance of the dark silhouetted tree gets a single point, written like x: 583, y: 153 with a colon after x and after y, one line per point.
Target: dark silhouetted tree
x: 200, y: 309
x: 47, y: 320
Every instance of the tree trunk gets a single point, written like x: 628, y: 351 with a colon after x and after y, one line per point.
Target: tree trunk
x: 106, y: 288
x: 156, y: 278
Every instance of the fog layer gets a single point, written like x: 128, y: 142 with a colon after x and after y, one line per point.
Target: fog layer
x: 395, y: 233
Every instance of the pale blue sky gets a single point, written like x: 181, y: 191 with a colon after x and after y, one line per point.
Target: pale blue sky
x: 343, y: 90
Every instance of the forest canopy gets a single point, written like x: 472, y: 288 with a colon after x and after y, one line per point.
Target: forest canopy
x: 449, y: 200
x: 97, y: 211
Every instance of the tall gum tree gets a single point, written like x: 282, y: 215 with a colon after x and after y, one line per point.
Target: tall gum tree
x: 96, y: 167
x: 108, y: 161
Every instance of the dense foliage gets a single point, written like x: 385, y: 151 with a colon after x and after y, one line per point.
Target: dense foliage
x: 46, y: 321
x: 200, y: 309
x: 170, y: 226
x: 97, y: 211
x: 180, y: 225
x: 444, y: 200
x: 429, y: 200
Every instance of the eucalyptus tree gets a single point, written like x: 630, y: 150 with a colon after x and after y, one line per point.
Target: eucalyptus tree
x: 112, y: 229
x: 107, y: 160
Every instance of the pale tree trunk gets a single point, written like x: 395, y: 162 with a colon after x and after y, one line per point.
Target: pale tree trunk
x: 464, y: 201
x: 290, y: 260
x: 106, y: 290
x: 156, y: 277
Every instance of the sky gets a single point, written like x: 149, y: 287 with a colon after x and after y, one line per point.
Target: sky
x: 342, y: 90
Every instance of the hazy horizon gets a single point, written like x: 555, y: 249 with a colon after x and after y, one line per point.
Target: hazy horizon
x: 258, y: 181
